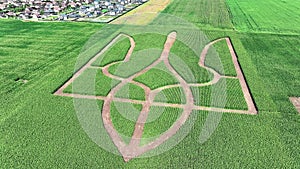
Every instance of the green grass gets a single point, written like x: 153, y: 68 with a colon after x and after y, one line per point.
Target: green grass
x: 267, y: 16
x: 28, y: 50
x: 137, y: 63
x: 149, y: 41
x: 115, y: 53
x: 276, y: 60
x: 143, y: 55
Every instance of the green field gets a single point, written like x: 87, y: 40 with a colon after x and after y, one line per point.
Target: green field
x: 265, y: 16
x: 41, y: 130
x: 222, y: 61
x: 114, y: 55
x: 204, y: 13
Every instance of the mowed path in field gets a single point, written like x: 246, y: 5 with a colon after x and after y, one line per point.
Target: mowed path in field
x: 133, y: 149
x: 143, y: 14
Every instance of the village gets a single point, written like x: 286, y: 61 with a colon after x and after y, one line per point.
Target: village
x: 66, y: 10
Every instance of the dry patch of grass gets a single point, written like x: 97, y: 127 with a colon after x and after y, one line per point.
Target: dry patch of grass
x: 144, y: 14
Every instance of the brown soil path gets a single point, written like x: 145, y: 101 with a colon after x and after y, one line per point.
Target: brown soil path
x: 296, y: 102
x: 249, y: 100
x: 88, y: 65
x: 133, y: 149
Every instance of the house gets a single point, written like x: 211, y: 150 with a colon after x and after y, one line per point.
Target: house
x: 112, y: 13
x: 120, y: 8
x: 63, y: 17
x: 42, y: 9
x: 2, y: 6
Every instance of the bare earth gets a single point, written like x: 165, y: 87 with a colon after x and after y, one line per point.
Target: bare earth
x: 133, y: 149
x: 296, y: 102
x: 144, y: 14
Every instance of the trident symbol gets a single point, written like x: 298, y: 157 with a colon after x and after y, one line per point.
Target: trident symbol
x: 133, y: 149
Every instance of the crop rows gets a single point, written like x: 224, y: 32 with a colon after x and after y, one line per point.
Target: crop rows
x: 159, y: 76
x: 267, y: 16
x: 92, y: 82
x: 116, y: 53
x: 124, y: 117
x: 171, y: 95
x: 219, y: 58
x: 160, y: 120
x: 212, y: 13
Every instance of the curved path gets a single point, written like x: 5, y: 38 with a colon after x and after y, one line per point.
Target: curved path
x: 133, y: 149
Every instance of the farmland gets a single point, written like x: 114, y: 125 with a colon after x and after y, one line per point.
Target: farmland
x: 42, y: 130
x: 143, y: 15
x: 251, y: 15
x: 205, y: 13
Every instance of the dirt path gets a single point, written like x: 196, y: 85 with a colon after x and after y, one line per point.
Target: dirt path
x: 296, y: 102
x: 88, y: 65
x: 133, y: 149
x: 249, y: 100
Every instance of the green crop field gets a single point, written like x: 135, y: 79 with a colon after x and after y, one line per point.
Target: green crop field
x: 212, y: 13
x: 221, y: 61
x: 266, y: 16
x: 114, y: 55
x: 41, y: 130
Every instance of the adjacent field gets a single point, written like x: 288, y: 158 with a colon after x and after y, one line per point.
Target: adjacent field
x: 203, y: 13
x: 35, y: 47
x: 267, y: 15
x: 276, y: 59
x: 144, y: 14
